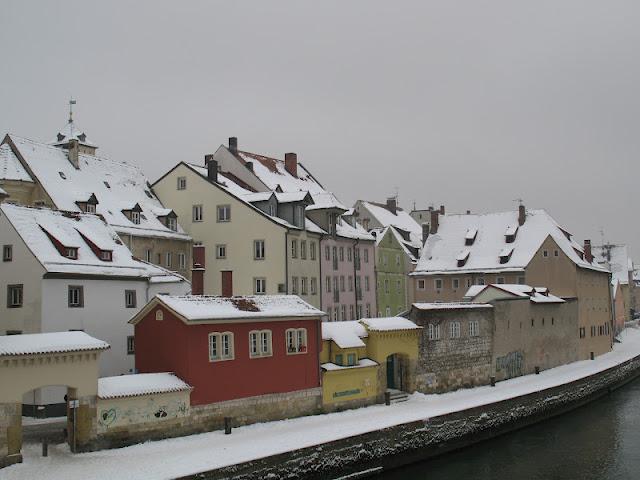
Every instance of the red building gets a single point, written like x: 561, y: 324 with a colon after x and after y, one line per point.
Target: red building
x: 230, y: 347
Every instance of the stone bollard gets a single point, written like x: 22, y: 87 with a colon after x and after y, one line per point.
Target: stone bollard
x: 593, y: 357
x: 227, y: 425
x: 45, y: 447
x: 537, y: 370
x: 493, y: 381
x: 387, y: 398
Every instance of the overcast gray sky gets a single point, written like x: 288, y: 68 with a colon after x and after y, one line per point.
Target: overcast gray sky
x: 468, y: 104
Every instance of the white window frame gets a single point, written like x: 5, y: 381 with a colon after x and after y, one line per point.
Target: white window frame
x: 294, y: 285
x: 294, y: 248
x: 433, y: 331
x: 197, y: 213
x: 303, y: 286
x: 260, y: 286
x: 474, y: 328
x: 454, y: 329
x: 135, y: 217
x: 296, y: 341
x: 223, y: 213
x: 422, y: 284
x: 182, y: 261
x: 168, y: 259
x: 259, y: 249
x: 221, y: 251
x: 312, y: 250
x: 224, y: 346
x: 260, y: 343
x: 455, y: 283
x: 438, y: 283
x: 303, y: 249
x: 182, y: 183
x: 313, y: 286
x: 172, y: 223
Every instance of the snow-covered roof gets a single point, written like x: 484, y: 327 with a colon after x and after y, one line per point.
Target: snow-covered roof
x: 535, y: 294
x: 346, y: 334
x: 384, y: 324
x: 616, y: 258
x: 34, y: 225
x: 71, y: 131
x: 346, y: 230
x: 10, y: 166
x: 43, y: 343
x: 139, y: 384
x: 450, y: 305
x: 363, y: 362
x: 209, y: 307
x: 443, y: 250
x: 401, y: 219
x: 3, y: 192
x: 117, y: 186
x: 325, y: 201
x: 408, y: 247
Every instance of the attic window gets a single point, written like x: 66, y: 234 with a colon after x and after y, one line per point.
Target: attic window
x: 82, y: 137
x: 148, y: 193
x: 470, y: 236
x: 71, y: 252
x: 106, y: 255
x: 62, y: 175
x: 505, y: 254
x: 510, y: 234
x: 462, y: 257
x: 60, y: 137
x: 106, y: 184
x: 135, y: 217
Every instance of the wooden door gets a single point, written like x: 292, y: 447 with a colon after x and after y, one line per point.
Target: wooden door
x: 227, y: 283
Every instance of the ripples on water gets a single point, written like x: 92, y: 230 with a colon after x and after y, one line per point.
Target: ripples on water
x: 599, y: 441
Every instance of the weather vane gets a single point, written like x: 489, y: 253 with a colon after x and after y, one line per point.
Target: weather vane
x: 72, y: 102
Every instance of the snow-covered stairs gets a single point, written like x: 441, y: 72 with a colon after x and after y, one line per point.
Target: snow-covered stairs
x: 398, y: 396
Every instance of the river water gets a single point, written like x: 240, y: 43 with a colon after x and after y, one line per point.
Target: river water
x: 598, y: 441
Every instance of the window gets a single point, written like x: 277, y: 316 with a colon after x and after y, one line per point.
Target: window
x: 299, y: 216
x: 328, y: 284
x: 366, y: 255
x: 296, y: 339
x: 172, y: 223
x: 338, y: 359
x: 386, y: 285
x: 351, y: 359
x: 197, y: 213
x: 14, y: 332
x: 359, y: 311
x: 182, y: 183
x: 348, y: 254
x: 367, y: 310
x: 106, y: 184
x: 221, y: 346
x: 221, y: 251
x: 455, y: 283
x: 76, y: 296
x: 135, y: 217
x: 384, y: 259
x: 294, y: 249
x: 433, y: 331
x: 168, y: 258
x: 556, y: 253
x: 303, y: 249
x: 90, y: 208
x: 131, y: 345
x: 259, y: 286
x: 71, y: 253
x: 397, y: 260
x: 260, y: 343
x: 500, y: 281
x: 350, y: 282
x: 474, y: 328
x: 366, y: 283
x: 468, y: 283
x: 327, y: 253
x: 106, y: 255
x: 258, y: 249
x: 15, y: 296
x: 147, y: 255
x: 454, y: 329
x: 159, y: 315
x: 343, y: 311
x: 342, y: 283
x: 545, y: 253
x: 303, y: 285
x: 224, y: 213
x: 351, y: 316
x: 341, y: 256
x: 312, y: 250
x: 7, y: 253
x: 480, y: 281
x: 387, y: 311
x: 438, y: 283
x: 582, y: 332
x: 294, y: 285
x: 130, y: 298
x: 182, y: 261
x: 62, y: 175
x: 520, y: 280
x: 313, y: 286
x: 421, y: 284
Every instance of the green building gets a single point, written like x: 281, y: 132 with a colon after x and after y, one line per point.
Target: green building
x: 395, y: 259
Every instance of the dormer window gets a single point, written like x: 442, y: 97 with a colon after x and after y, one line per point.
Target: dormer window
x: 272, y: 210
x: 298, y: 220
x: 172, y: 223
x: 135, y: 217
x: 462, y: 257
x: 505, y: 254
x: 88, y: 206
x: 148, y: 193
x: 470, y: 236
x: 91, y: 208
x: 101, y: 253
x: 510, y: 234
x: 71, y: 252
x: 60, y: 137
x: 106, y: 255
x: 82, y: 137
x: 134, y: 214
x: 66, y: 251
x: 62, y: 175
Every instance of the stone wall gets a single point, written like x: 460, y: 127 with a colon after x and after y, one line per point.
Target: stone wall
x: 447, y: 363
x: 206, y: 418
x: 416, y: 441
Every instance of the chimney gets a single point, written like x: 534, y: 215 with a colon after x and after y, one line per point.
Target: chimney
x: 468, y: 212
x: 291, y: 163
x: 522, y: 215
x: 208, y: 158
x: 392, y: 205
x: 587, y: 251
x: 74, y: 151
x: 197, y: 279
x: 425, y: 232
x: 434, y: 221
x: 233, y: 145
x: 441, y: 209
x: 212, y: 170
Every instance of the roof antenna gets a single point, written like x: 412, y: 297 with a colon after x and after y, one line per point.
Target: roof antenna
x: 519, y: 200
x: 72, y: 102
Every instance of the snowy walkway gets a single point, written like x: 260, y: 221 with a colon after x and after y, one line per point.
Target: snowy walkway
x: 197, y: 453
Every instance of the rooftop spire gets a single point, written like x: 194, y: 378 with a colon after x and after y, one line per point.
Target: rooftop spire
x: 72, y: 102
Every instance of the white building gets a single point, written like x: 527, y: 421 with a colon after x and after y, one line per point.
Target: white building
x: 71, y: 271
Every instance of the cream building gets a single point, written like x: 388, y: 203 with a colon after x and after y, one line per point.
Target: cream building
x: 66, y: 174
x: 523, y: 247
x: 253, y: 242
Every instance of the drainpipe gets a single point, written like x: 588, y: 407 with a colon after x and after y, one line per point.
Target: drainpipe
x: 286, y: 261
x: 319, y: 258
x: 355, y: 273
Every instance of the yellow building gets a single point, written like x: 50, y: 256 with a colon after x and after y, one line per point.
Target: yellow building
x: 363, y: 359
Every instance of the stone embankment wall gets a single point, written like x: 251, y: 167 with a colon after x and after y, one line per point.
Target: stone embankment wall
x: 412, y: 442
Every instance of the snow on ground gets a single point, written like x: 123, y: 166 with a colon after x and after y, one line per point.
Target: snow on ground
x: 197, y: 453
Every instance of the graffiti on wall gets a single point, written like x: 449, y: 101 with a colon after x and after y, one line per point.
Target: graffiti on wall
x: 511, y: 364
x: 140, y: 410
